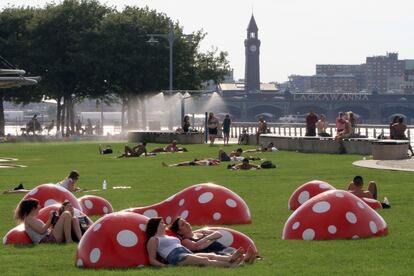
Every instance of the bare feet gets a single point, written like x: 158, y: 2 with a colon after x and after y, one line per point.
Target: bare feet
x: 250, y: 256
x: 236, y: 255
x: 237, y: 262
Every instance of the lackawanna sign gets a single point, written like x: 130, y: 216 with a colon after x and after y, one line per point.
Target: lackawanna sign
x: 333, y: 97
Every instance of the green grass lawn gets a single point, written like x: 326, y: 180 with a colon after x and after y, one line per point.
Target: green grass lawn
x: 265, y: 191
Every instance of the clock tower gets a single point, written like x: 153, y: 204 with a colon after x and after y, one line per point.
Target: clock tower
x: 252, y: 51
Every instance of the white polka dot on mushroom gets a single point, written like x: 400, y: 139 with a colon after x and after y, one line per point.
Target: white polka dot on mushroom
x: 96, y: 227
x: 95, y: 255
x: 79, y: 263
x: 151, y: 213
x: 143, y: 227
x: 360, y: 205
x: 321, y: 207
x: 181, y: 203
x: 184, y: 214
x: 324, y: 186
x: 226, y: 238
x: 295, y: 225
x: 205, y: 197
x: 50, y: 202
x: 198, y: 188
x: 332, y: 229
x: 355, y: 237
x: 303, y: 197
x: 105, y: 210
x: 32, y: 192
x: 308, y: 234
x: 127, y: 238
x: 88, y: 204
x: 373, y: 227
x: 231, y: 203
x: 216, y: 216
x: 339, y: 195
x: 351, y: 217
x: 168, y: 220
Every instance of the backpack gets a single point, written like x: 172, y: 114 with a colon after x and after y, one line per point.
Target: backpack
x: 267, y: 165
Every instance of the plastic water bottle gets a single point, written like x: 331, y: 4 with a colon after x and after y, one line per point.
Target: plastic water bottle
x: 386, y: 201
x: 104, y: 185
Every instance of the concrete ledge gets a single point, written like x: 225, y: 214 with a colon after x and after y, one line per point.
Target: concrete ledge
x: 389, y: 149
x: 165, y: 137
x: 318, y: 144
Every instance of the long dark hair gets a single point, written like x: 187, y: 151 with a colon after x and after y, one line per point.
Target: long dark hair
x: 24, y: 209
x: 73, y: 175
x: 174, y: 227
x: 152, y: 226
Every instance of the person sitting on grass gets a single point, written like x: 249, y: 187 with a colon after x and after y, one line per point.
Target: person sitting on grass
x: 195, y: 162
x: 69, y: 183
x: 136, y: 151
x: 169, y: 148
x: 356, y: 188
x: 245, y: 165
x: 205, y: 241
x: 174, y: 253
x: 40, y: 232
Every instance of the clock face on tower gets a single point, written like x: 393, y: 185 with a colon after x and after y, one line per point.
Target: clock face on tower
x: 253, y: 48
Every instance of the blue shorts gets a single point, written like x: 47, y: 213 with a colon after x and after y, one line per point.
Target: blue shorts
x: 178, y: 255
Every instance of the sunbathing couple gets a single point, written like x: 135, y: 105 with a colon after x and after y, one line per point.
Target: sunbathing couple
x: 235, y: 155
x: 197, y: 248
x: 356, y: 188
x: 141, y: 149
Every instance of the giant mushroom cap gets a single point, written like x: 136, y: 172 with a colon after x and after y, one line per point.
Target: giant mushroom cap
x: 48, y: 194
x: 117, y: 240
x: 334, y: 214
x: 17, y: 235
x: 306, y: 192
x: 202, y: 204
x: 233, y: 238
x: 95, y: 205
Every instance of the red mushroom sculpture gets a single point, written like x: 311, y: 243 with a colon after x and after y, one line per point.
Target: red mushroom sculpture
x: 334, y: 214
x: 48, y: 194
x: 17, y: 235
x: 306, y: 192
x: 95, y: 205
x: 117, y: 240
x: 373, y: 203
x: 202, y: 204
x: 233, y: 238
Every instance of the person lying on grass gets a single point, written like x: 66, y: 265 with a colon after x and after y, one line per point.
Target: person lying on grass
x: 69, y: 183
x: 174, y: 253
x: 195, y: 162
x: 136, y: 151
x: 245, y: 165
x: 205, y: 241
x: 234, y: 156
x: 270, y: 147
x: 169, y: 148
x: 40, y: 232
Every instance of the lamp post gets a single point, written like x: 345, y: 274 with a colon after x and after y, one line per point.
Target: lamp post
x: 170, y: 36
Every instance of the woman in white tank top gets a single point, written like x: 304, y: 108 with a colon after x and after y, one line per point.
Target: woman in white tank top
x: 171, y: 250
x: 69, y: 183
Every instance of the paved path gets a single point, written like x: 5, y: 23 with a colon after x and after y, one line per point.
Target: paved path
x: 395, y: 165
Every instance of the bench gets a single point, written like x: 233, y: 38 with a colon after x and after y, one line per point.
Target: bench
x: 318, y: 144
x: 165, y: 137
x: 389, y: 149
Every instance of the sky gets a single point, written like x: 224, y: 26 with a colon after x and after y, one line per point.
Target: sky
x: 295, y: 34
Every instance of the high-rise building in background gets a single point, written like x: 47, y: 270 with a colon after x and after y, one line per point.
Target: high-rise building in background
x: 380, y: 74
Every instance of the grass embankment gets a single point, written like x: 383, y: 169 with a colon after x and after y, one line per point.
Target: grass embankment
x: 265, y: 191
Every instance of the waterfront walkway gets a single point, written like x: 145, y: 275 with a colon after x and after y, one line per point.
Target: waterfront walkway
x: 394, y: 165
